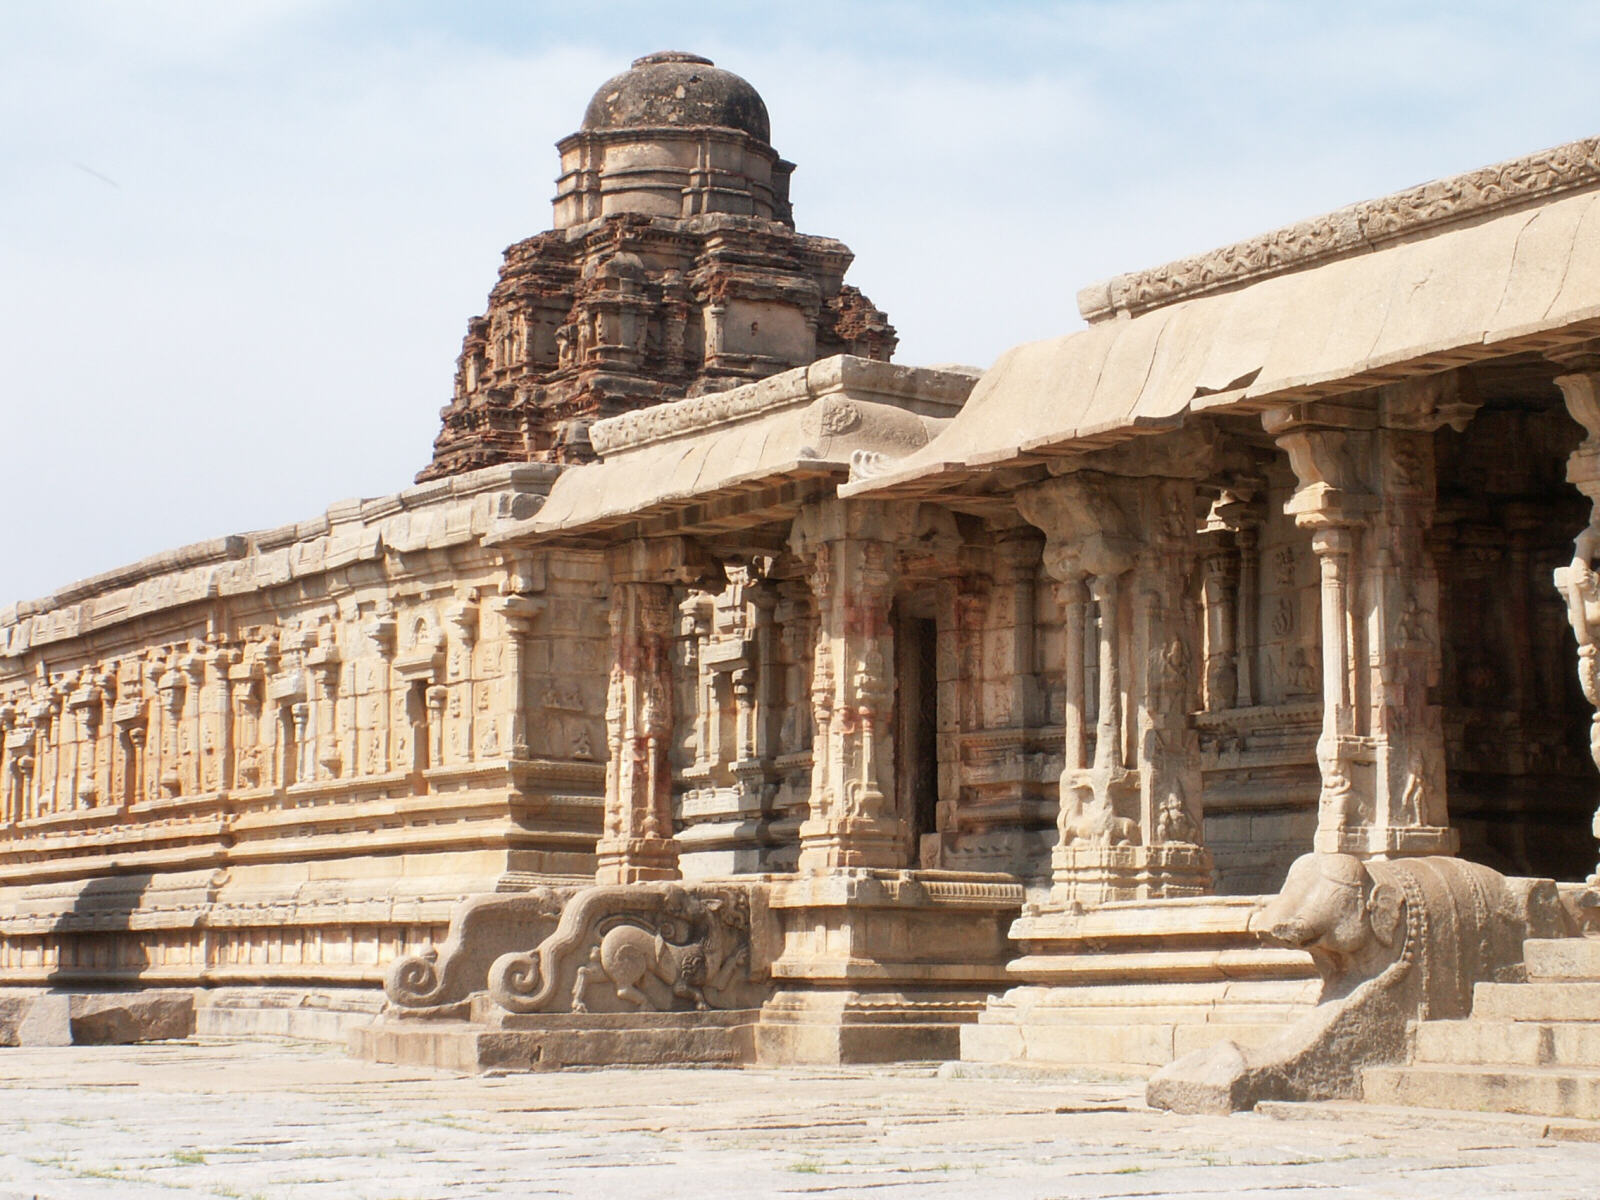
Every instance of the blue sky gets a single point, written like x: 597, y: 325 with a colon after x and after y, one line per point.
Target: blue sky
x: 242, y: 240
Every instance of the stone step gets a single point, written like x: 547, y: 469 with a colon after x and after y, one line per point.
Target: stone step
x: 1512, y: 1043
x: 1538, y: 1001
x: 1562, y: 958
x: 1433, y: 1120
x: 1542, y: 1091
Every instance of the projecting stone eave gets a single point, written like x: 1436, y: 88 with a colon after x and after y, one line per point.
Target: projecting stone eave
x: 1478, y: 280
x: 453, y: 510
x: 1354, y: 229
x: 768, y: 446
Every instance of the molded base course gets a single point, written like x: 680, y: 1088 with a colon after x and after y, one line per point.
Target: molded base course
x: 542, y: 1042
x: 832, y: 1028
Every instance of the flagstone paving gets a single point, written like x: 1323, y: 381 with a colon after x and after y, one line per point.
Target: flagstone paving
x: 211, y: 1118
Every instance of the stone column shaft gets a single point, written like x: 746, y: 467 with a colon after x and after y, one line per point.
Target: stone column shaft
x: 1128, y: 825
x: 1246, y: 540
x: 1366, y: 495
x: 1074, y: 610
x: 638, y: 842
x: 851, y: 552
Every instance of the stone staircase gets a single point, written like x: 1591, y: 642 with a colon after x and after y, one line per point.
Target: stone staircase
x: 1529, y: 1047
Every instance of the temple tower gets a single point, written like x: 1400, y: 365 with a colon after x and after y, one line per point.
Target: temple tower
x: 673, y: 270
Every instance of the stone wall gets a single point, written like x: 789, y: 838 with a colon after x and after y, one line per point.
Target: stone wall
x: 286, y: 755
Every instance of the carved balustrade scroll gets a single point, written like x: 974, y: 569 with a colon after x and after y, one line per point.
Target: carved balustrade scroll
x: 1579, y: 582
x: 1366, y: 493
x: 1122, y: 551
x: 850, y: 552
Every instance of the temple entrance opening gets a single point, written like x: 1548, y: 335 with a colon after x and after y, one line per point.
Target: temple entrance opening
x: 916, y: 718
x: 1521, y: 783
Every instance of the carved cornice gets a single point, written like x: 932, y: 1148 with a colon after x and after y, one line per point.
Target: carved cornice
x: 1356, y: 228
x: 937, y: 391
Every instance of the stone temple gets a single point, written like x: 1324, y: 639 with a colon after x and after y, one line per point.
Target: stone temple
x: 1209, y: 692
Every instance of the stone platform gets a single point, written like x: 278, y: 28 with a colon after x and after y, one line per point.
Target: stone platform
x: 1139, y: 983
x: 550, y: 1041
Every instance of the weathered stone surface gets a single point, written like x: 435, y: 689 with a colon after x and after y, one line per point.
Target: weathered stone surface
x: 116, y: 1018
x: 51, y: 1018
x: 46, y: 1021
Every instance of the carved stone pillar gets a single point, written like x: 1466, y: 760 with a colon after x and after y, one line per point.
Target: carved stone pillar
x: 1366, y: 495
x: 850, y: 552
x: 1129, y: 824
x: 155, y: 729
x: 638, y: 842
x: 794, y: 619
x: 1228, y: 562
x: 1017, y: 562
x: 1073, y: 598
x: 1221, y: 590
x: 696, y: 616
x: 1578, y: 582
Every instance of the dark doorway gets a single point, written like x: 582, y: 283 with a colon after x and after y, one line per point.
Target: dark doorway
x: 1521, y: 783
x: 916, y: 726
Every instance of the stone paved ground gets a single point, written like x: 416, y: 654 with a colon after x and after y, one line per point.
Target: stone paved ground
x: 209, y: 1118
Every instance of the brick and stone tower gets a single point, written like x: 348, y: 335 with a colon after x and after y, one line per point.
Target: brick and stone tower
x: 673, y: 270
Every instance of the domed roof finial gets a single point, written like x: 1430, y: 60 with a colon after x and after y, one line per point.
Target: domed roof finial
x: 672, y: 88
